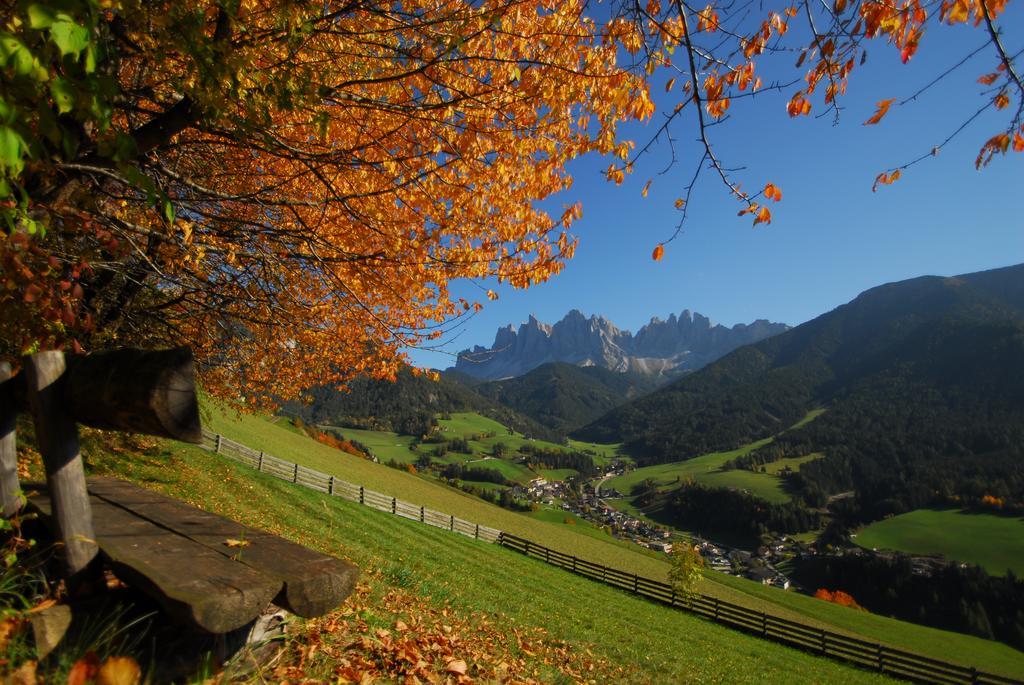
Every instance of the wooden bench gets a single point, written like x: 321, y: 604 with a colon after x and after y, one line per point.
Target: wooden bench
x: 174, y: 552
x: 180, y: 556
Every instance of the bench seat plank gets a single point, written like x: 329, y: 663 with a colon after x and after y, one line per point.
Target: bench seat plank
x: 194, y: 584
x: 312, y: 584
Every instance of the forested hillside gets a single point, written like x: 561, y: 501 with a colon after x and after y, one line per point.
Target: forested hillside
x: 564, y: 397
x: 408, y: 406
x: 923, y: 380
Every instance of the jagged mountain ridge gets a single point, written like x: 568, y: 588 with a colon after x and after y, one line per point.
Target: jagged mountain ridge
x: 662, y: 347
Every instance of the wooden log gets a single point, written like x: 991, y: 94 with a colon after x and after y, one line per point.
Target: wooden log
x: 57, y: 437
x: 140, y: 391
x: 313, y: 583
x: 194, y: 584
x: 11, y: 499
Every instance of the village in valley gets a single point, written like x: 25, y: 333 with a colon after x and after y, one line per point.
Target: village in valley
x: 591, y: 503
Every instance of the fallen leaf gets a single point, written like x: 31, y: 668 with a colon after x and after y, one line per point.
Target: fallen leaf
x: 230, y: 542
x: 9, y: 627
x: 84, y: 670
x: 457, y: 666
x: 25, y: 675
x: 119, y: 670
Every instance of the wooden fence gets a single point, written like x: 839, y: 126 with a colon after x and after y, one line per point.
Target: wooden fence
x: 322, y: 482
x: 870, y: 655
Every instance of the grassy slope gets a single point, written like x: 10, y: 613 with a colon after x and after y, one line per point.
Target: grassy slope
x: 707, y: 469
x: 939, y: 644
x: 386, y: 445
x: 994, y: 542
x: 459, y: 576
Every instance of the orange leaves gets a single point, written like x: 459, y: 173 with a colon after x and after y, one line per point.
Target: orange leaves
x: 616, y: 174
x: 839, y: 7
x: 431, y: 645
x: 884, y: 179
x: 989, y: 79
x: 962, y: 11
x: 1001, y: 100
x: 883, y: 109
x: 646, y: 189
x: 742, y: 77
x: 838, y: 597
x: 119, y: 670
x: 762, y: 215
x: 659, y: 252
x: 997, y: 144
x: 798, y: 105
x: 707, y: 20
x: 772, y: 192
x: 716, y: 104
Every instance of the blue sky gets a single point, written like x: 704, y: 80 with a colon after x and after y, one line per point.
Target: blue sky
x: 830, y: 237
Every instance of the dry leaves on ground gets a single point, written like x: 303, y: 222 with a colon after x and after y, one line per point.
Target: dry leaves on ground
x: 424, y: 644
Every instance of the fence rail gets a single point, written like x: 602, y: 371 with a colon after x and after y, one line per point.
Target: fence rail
x: 331, y: 485
x: 870, y: 655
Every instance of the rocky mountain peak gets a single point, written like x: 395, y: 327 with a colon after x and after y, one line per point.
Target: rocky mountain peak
x: 680, y: 343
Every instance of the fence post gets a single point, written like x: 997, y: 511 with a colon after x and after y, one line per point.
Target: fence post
x: 824, y: 646
x: 673, y: 602
x: 10, y: 489
x: 574, y: 564
x: 217, y: 448
x: 422, y: 512
x: 451, y: 525
x: 295, y: 476
x: 476, y: 535
x: 636, y: 584
x: 361, y: 492
x: 259, y: 464
x: 58, y: 443
x: 764, y: 623
x: 394, y: 505
x: 547, y: 555
x: 881, y: 659
x: 528, y: 548
x: 716, y: 608
x: 330, y: 486
x: 604, y: 574
x: 974, y: 675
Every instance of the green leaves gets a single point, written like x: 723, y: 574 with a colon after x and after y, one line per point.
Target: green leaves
x: 70, y: 37
x: 63, y: 92
x: 12, y: 150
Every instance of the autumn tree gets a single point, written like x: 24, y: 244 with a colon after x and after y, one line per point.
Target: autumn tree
x: 290, y: 187
x: 685, y: 574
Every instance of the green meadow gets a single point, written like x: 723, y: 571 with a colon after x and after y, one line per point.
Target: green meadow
x: 482, y: 434
x: 592, y: 544
x: 995, y: 543
x: 707, y: 470
x: 478, y: 586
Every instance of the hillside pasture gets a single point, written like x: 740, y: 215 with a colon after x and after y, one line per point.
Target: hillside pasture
x: 706, y: 469
x: 587, y: 544
x: 792, y: 463
x: 995, y: 543
x: 413, y: 573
